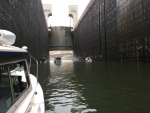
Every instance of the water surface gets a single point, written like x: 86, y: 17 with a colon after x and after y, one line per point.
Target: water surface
x: 98, y: 87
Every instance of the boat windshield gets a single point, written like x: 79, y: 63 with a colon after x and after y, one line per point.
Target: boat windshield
x: 13, y: 82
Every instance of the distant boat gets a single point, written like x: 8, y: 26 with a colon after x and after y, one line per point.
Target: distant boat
x: 88, y: 59
x: 57, y: 60
x: 20, y: 91
x: 43, y: 60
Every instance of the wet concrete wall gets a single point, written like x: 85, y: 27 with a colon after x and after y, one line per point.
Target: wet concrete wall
x: 114, y: 30
x: 26, y: 19
x: 86, y: 35
x: 61, y: 38
x: 133, y: 29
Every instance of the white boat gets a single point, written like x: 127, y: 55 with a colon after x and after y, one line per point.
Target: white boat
x: 88, y: 59
x: 20, y: 91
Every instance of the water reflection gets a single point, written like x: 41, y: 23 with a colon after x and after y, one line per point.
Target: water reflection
x: 64, y: 92
x: 101, y: 87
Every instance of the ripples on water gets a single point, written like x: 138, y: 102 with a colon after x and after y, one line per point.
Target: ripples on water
x: 111, y: 87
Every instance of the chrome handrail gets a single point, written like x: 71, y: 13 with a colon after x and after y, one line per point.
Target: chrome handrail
x: 36, y: 64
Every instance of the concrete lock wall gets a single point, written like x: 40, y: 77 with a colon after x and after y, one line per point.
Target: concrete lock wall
x: 61, y: 38
x: 26, y: 19
x: 114, y: 30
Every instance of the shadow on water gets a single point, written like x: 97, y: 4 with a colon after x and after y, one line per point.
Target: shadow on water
x: 100, y: 87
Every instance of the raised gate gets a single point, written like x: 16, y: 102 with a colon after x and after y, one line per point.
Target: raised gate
x: 61, y: 38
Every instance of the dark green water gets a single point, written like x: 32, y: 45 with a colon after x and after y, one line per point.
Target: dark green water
x: 99, y: 87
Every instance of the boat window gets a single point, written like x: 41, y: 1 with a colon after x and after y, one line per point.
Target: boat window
x: 18, y: 74
x: 6, y: 99
x: 13, y: 82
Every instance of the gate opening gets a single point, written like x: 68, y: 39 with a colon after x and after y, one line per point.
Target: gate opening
x: 65, y: 55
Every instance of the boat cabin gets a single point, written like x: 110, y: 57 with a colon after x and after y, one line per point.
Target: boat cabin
x: 17, y: 85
